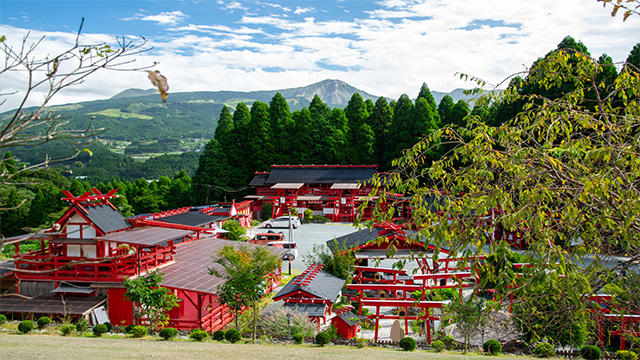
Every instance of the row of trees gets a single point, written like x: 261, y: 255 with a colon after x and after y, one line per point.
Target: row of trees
x: 365, y: 132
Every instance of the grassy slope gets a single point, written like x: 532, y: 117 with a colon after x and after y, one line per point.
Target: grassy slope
x: 16, y: 346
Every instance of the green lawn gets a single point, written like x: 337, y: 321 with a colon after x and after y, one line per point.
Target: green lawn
x: 18, y: 346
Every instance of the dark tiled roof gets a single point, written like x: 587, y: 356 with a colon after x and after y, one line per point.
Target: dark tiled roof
x: 350, y: 318
x: 317, y: 174
x: 72, y: 305
x: 192, y: 262
x: 259, y: 180
x: 105, y: 217
x: 322, y: 285
x: 146, y: 236
x: 191, y: 218
x: 353, y: 240
x: 316, y: 310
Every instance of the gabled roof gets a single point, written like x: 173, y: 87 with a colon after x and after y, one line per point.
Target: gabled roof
x: 366, y: 241
x: 259, y: 179
x: 350, y: 318
x: 353, y: 240
x: 190, y: 270
x: 146, y: 236
x: 320, y: 284
x: 315, y: 174
x: 191, y: 218
x: 104, y: 217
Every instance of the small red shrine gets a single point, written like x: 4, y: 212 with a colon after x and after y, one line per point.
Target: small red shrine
x: 313, y: 292
x: 86, y: 255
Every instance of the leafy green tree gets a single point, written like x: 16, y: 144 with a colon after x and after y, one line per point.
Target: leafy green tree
x: 634, y: 57
x: 212, y: 174
x: 153, y: 300
x: 321, y: 130
x: 241, y: 152
x: 336, y: 151
x: 282, y: 128
x: 261, y: 138
x: 13, y: 215
x: 341, y: 266
x: 380, y: 118
x: 561, y: 171
x: 244, y: 269
x: 360, y: 136
x: 468, y: 316
x: 46, y: 207
x: 302, y: 142
x: 235, y: 231
x: 400, y: 133
x: 425, y: 93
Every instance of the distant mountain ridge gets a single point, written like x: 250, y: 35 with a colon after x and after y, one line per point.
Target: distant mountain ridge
x: 139, y: 114
x: 334, y: 93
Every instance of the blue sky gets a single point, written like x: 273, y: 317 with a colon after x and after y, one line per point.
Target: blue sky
x: 385, y: 47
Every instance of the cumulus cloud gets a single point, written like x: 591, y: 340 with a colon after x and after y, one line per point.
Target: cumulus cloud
x: 164, y: 18
x: 300, y: 10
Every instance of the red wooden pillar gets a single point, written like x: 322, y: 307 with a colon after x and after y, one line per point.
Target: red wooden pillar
x: 427, y: 321
x: 375, y: 338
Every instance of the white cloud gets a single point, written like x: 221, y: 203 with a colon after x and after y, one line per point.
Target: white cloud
x: 165, y: 18
x: 300, y: 10
x: 232, y: 5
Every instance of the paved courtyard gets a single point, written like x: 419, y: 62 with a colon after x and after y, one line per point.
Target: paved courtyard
x: 306, y: 236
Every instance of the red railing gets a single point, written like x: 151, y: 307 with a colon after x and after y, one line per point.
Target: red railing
x: 52, y: 266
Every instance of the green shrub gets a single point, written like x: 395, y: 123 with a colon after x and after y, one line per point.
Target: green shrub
x: 109, y: 326
x: 590, y: 352
x: 139, y: 331
x: 25, y: 326
x: 128, y: 328
x: 448, y: 342
x: 218, y: 335
x: 168, y: 333
x: 100, y: 329
x: 362, y: 343
x: 3, y: 319
x: 232, y: 336
x: 626, y: 355
x: 298, y: 338
x: 323, y: 338
x: 544, y: 349
x: 437, y: 345
x: 492, y: 346
x: 82, y: 326
x: 275, y: 323
x: 408, y: 343
x: 307, y: 215
x: 67, y: 329
x: 198, y: 335
x: 43, y: 322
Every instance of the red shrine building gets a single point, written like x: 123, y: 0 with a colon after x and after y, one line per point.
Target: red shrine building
x: 334, y: 191
x: 85, y: 257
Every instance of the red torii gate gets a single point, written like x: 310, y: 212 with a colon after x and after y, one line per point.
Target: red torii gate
x: 426, y: 305
x: 391, y: 287
x: 624, y: 319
